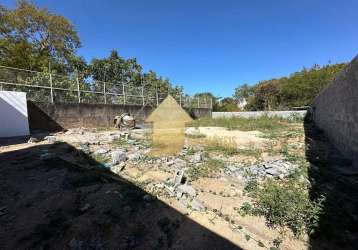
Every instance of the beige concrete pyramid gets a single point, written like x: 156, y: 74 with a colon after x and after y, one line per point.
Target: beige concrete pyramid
x: 169, y: 121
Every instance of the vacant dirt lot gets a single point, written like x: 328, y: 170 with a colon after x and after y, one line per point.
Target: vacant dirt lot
x: 91, y: 189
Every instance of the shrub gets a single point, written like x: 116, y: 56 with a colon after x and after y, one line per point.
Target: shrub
x: 287, y: 204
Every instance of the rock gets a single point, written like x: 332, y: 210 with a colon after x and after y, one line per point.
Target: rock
x: 33, y: 140
x: 118, y: 156
x: 170, y: 190
x: 134, y: 156
x: 101, y: 151
x: 197, y: 205
x: 93, y: 142
x: 179, y: 163
x: 170, y: 163
x: 50, y: 139
x: 84, y: 148
x: 273, y: 172
x: 197, y: 157
x: 186, y: 189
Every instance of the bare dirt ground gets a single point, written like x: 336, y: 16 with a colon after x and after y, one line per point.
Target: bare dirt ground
x: 69, y: 194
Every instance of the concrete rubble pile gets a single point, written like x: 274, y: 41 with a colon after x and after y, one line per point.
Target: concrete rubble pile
x: 270, y: 169
x: 184, y: 193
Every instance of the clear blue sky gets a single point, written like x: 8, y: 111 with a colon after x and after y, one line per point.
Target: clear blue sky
x: 215, y: 46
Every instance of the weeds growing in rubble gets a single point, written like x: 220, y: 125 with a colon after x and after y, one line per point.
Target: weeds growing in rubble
x: 285, y: 204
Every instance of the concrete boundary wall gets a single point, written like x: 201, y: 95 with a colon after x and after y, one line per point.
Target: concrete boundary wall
x: 335, y: 111
x: 58, y: 116
x: 257, y: 114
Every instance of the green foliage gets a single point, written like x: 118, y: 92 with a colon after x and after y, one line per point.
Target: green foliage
x: 287, y: 205
x: 245, y: 209
x: 32, y: 38
x: 296, y: 90
x: 207, y: 169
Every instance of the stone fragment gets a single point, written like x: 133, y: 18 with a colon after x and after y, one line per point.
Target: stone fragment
x: 50, y: 139
x: 33, y: 140
x: 101, y: 151
x: 186, y: 189
x: 197, y: 205
x: 118, y: 156
x: 178, y: 177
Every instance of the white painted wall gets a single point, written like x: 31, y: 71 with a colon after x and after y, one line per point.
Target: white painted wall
x: 13, y: 114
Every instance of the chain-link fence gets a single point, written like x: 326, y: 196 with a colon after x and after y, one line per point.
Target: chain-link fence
x: 55, y: 88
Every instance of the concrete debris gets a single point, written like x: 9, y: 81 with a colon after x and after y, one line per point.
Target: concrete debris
x: 179, y: 163
x: 197, y: 205
x: 101, y: 151
x: 33, y: 140
x: 135, y: 156
x: 196, y: 158
x: 72, y: 131
x: 276, y: 168
x: 85, y: 148
x: 179, y: 177
x: 50, y: 139
x: 118, y: 156
x: 186, y: 189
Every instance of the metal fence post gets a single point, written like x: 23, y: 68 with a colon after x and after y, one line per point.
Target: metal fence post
x: 78, y: 90
x: 143, y: 100
x: 51, y: 88
x: 156, y: 94
x: 124, y: 94
x: 104, y: 93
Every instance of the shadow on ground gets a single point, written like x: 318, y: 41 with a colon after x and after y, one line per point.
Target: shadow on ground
x: 50, y: 202
x: 332, y: 175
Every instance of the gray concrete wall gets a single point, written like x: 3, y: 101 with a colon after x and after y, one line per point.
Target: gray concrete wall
x: 52, y: 117
x: 335, y: 110
x: 257, y: 114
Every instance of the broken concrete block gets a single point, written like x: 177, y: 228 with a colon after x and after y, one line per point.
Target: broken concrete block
x: 50, y: 139
x: 197, y: 205
x: 187, y: 189
x: 33, y: 140
x: 118, y: 156
x: 101, y: 151
x: 179, y: 177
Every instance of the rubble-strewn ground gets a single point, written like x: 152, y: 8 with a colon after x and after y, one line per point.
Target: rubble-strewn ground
x: 99, y: 189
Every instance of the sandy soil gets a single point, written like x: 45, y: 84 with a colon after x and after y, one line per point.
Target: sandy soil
x: 55, y: 203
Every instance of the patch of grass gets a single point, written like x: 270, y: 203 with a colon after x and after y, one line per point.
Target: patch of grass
x: 229, y: 149
x: 207, y: 169
x: 263, y: 123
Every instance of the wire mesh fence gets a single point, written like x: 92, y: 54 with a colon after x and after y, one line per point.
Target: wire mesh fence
x: 56, y: 88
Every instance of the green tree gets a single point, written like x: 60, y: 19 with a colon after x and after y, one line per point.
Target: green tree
x: 33, y: 38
